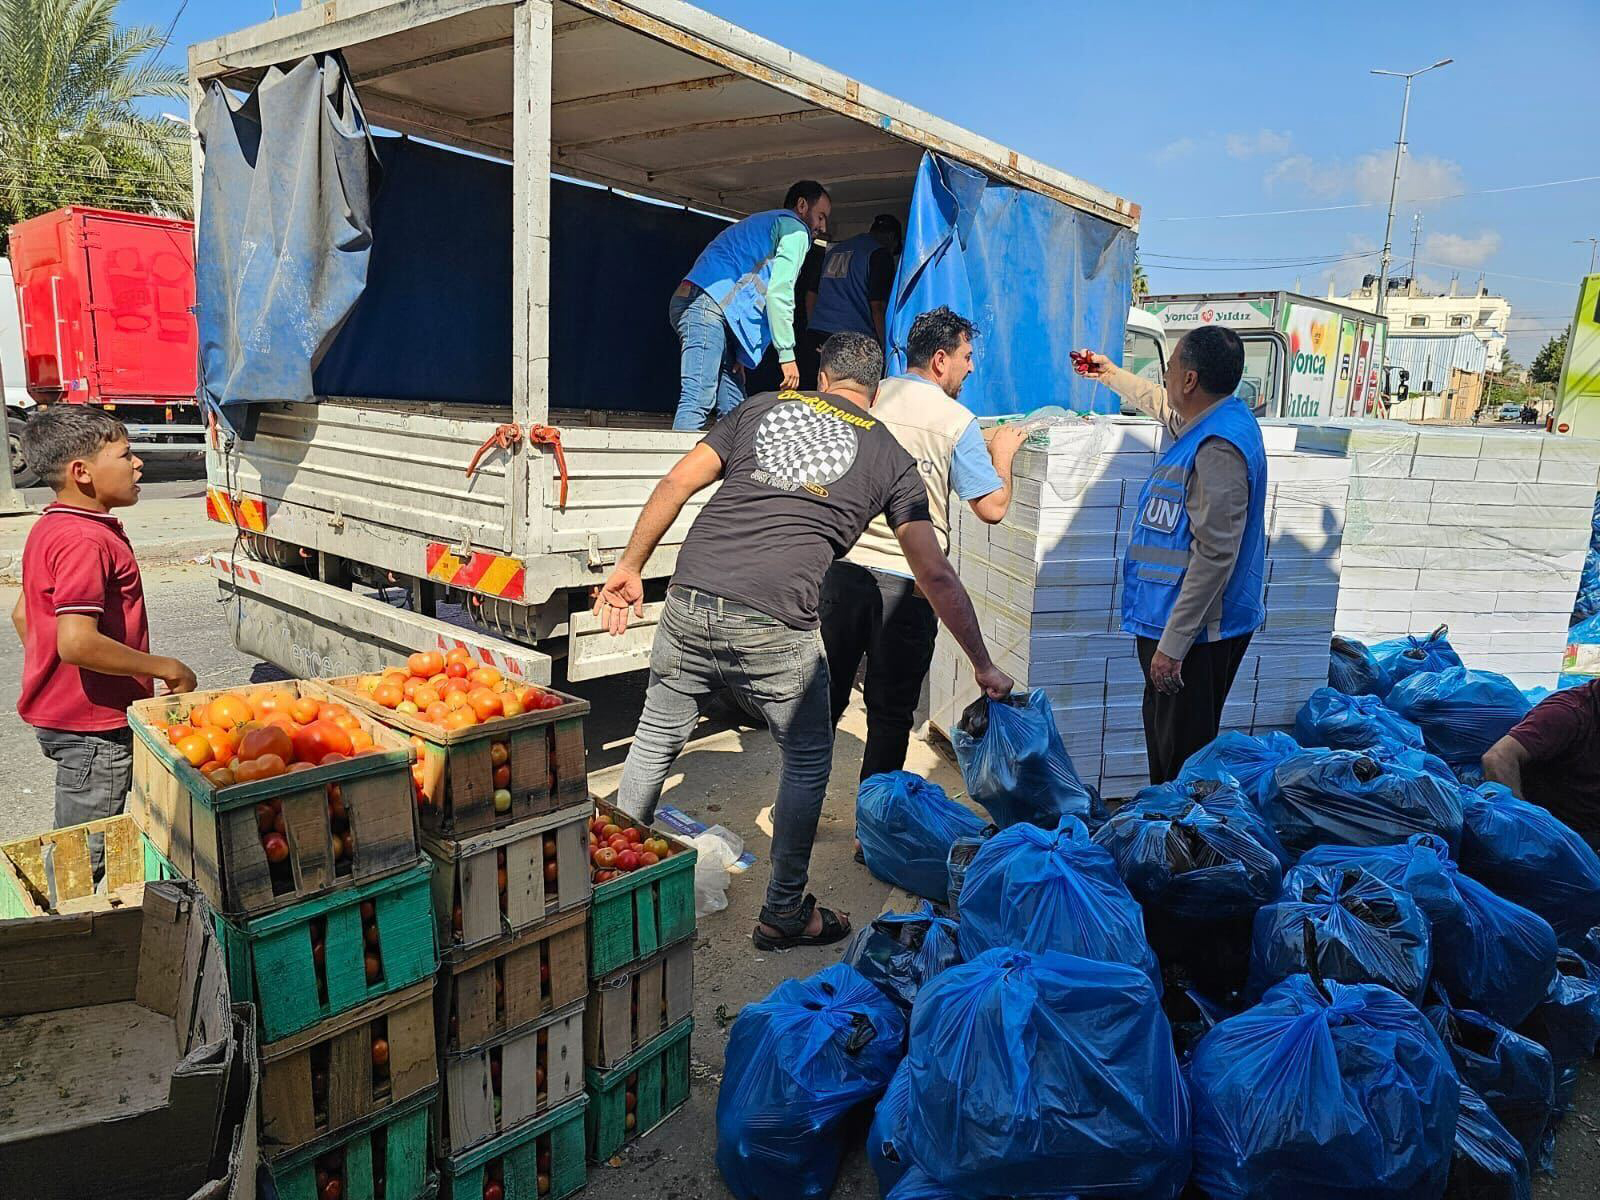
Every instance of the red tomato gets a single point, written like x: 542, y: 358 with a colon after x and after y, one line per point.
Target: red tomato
x: 598, y: 826
x: 605, y: 857
x: 266, y: 739
x: 493, y: 1190
x: 628, y: 860
x: 648, y: 859
x: 456, y: 670
x: 633, y: 835
x: 550, y: 700
x: 276, y: 846
x: 550, y: 872
x: 320, y: 739
x: 619, y: 843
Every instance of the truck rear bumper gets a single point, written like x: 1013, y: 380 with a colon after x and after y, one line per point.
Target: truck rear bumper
x: 313, y: 630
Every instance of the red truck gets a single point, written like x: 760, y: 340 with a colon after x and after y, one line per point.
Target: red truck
x: 106, y: 301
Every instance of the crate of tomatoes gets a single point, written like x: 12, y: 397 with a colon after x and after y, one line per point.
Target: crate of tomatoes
x: 542, y: 1160
x: 643, y: 891
x: 272, y: 795
x: 490, y: 751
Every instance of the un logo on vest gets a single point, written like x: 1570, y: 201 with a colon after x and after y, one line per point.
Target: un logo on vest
x: 1161, y: 514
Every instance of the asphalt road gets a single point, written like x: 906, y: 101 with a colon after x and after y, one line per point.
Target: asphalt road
x: 725, y: 775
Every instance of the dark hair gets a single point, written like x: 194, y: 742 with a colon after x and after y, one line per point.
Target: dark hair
x: 54, y: 437
x: 934, y: 331
x: 852, y: 356
x: 808, y: 190
x: 887, y: 223
x: 1216, y: 355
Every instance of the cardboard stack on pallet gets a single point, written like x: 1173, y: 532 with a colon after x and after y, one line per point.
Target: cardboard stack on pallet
x: 1481, y: 530
x: 325, y: 920
x: 641, y: 973
x: 1047, y: 586
x: 504, y: 811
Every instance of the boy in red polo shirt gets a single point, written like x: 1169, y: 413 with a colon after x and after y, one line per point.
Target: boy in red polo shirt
x: 81, y: 613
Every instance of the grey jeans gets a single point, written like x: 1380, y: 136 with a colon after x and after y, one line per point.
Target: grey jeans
x: 93, y: 774
x: 704, y: 644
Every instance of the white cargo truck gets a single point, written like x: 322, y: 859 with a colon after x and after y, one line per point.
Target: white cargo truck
x: 688, y: 121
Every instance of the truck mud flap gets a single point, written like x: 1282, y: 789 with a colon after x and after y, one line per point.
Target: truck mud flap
x: 592, y: 652
x: 314, y: 631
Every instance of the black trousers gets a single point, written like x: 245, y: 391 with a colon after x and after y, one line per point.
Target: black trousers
x: 879, y: 617
x: 1176, y: 726
x: 808, y: 355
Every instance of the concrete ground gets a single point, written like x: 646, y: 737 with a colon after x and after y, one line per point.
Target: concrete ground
x: 726, y: 776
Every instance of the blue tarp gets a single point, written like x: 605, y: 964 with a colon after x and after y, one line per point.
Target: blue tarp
x: 1039, y: 277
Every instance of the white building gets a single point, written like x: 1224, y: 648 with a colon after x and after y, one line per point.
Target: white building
x: 1486, y: 317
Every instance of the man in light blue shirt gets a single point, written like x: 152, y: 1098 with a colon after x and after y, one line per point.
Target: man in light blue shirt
x: 738, y: 299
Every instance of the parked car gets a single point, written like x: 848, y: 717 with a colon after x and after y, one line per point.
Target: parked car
x: 1509, y: 411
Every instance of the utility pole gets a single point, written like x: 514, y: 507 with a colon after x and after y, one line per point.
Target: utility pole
x: 1593, y: 243
x: 1394, y: 183
x: 1416, y: 236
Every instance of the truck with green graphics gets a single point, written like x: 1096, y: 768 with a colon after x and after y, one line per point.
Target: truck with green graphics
x: 1304, y: 357
x: 1577, y: 409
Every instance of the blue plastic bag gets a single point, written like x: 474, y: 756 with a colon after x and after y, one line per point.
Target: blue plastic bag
x: 798, y: 1066
x: 1461, y: 713
x: 1248, y: 760
x: 1359, y: 929
x: 962, y: 851
x: 886, y: 1150
x: 1341, y: 722
x: 1417, y: 760
x: 1406, y: 656
x: 905, y: 826
x: 1489, y: 954
x: 916, y: 1184
x: 1015, y: 765
x: 1487, y: 1163
x: 1196, y: 850
x: 1037, y: 890
x: 1589, y: 947
x: 1514, y: 1074
x: 1310, y: 1094
x: 1348, y: 798
x: 900, y: 952
x: 1527, y: 854
x: 1567, y: 1022
x: 1046, y: 1075
x: 1353, y: 670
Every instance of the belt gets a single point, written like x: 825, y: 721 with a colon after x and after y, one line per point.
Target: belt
x: 696, y: 599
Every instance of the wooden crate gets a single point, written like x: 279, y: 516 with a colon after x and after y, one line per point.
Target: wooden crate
x: 466, y: 878
x: 637, y: 914
x: 630, y: 1007
x: 541, y: 1161
x: 386, y: 1155
x: 270, y: 959
x: 496, y: 1087
x: 319, y: 1081
x: 51, y: 873
x: 657, y: 1076
x: 511, y: 984
x: 546, y: 759
x: 211, y: 834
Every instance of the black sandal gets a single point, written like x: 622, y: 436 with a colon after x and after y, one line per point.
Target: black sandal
x: 792, y: 927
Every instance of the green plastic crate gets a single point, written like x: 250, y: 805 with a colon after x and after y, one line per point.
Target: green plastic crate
x: 270, y: 964
x: 517, y: 1153
x: 635, y: 915
x: 397, y: 1138
x: 663, y: 1069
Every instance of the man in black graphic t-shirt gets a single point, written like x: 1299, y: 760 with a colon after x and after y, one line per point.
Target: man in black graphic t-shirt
x: 802, y: 474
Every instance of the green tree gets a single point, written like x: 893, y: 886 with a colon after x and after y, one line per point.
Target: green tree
x: 70, y: 128
x: 1546, y: 366
x: 1141, y: 283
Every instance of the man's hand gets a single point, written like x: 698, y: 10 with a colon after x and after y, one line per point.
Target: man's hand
x: 1166, y: 674
x: 791, y: 377
x: 623, y: 591
x: 996, y: 684
x: 1094, y: 364
x: 1007, y: 438
x: 177, y: 677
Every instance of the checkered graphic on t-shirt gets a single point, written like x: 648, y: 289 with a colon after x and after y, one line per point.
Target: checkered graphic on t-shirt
x: 803, y: 446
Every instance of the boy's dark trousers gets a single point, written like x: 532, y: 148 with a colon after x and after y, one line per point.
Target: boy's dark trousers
x: 93, y: 774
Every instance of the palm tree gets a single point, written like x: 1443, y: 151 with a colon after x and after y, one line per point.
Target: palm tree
x: 1141, y: 284
x: 70, y: 130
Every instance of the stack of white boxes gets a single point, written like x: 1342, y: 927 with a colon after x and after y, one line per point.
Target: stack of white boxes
x: 1047, y: 586
x: 1483, y: 530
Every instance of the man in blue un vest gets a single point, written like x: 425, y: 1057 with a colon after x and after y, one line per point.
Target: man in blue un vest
x: 738, y: 299
x: 1195, y: 572
x: 850, y: 293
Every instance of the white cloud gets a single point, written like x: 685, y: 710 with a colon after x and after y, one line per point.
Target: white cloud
x: 1262, y: 141
x: 1459, y: 250
x: 1367, y: 178
x: 1173, y: 151
x: 1298, y: 169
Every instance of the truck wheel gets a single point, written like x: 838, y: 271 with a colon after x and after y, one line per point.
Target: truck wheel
x: 22, y: 475
x: 274, y: 553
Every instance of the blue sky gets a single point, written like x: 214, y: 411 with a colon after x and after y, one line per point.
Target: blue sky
x: 1193, y: 110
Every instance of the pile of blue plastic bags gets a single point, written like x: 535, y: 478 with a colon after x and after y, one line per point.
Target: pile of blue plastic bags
x: 1328, y: 964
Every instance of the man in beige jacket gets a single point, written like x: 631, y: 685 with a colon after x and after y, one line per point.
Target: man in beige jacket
x: 871, y: 607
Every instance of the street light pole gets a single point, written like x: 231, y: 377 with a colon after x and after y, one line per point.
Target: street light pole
x: 1593, y: 244
x: 1394, y: 182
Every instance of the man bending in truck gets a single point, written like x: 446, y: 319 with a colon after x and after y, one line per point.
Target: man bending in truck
x: 803, y: 473
x: 738, y: 299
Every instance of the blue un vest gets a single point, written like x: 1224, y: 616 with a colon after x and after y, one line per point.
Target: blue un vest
x: 1158, y: 554
x: 842, y: 290
x: 734, y: 271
